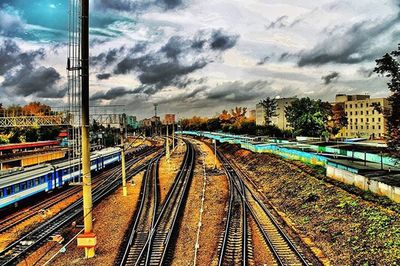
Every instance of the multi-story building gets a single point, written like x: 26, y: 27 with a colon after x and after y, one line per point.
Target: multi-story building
x: 169, y: 119
x: 132, y: 121
x: 364, y: 121
x: 260, y: 115
x: 280, y: 118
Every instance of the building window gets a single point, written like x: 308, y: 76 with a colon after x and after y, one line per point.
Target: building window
x: 379, y: 127
x: 367, y: 112
x: 362, y: 120
x: 351, y: 127
x: 346, y: 105
x: 351, y: 113
x: 361, y: 127
x: 356, y: 113
x: 351, y: 120
x: 346, y: 114
x: 373, y: 119
x: 366, y: 104
x: 367, y: 127
x: 356, y: 127
x: 361, y: 112
x: 361, y: 105
x: 367, y: 119
x: 379, y: 119
x: 373, y: 127
x: 351, y: 106
x: 356, y: 120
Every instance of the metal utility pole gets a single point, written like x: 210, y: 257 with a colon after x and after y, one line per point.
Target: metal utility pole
x: 88, y: 239
x: 215, y: 153
x: 167, y: 145
x: 123, y: 167
x: 173, y: 136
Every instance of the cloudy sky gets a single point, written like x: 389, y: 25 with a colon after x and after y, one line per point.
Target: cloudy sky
x: 196, y: 57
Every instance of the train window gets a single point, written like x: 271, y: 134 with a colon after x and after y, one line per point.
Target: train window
x: 1, y: 193
x: 36, y: 181
x: 23, y: 185
x: 30, y: 183
x: 16, y: 188
x: 8, y: 191
x: 42, y: 179
x: 75, y: 168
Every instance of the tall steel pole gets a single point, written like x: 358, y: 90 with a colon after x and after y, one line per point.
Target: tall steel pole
x: 87, y: 179
x: 123, y: 167
x: 167, y: 145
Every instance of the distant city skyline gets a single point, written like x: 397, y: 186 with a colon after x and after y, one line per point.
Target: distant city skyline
x: 199, y: 57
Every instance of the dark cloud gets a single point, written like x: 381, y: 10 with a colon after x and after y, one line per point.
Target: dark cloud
x: 222, y: 41
x: 332, y: 77
x: 11, y: 56
x: 111, y: 94
x: 365, y: 72
x: 178, y: 57
x: 41, y: 81
x: 239, y: 91
x: 106, y: 58
x: 102, y: 76
x: 348, y: 45
x: 21, y: 74
x: 280, y: 22
x: 263, y: 60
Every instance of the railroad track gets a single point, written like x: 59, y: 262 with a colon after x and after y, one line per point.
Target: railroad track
x: 16, y: 251
x: 234, y: 248
x: 144, y: 217
x: 164, y: 221
x: 282, y: 248
x: 17, y: 218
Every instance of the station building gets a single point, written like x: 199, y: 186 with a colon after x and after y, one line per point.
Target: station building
x: 363, y: 120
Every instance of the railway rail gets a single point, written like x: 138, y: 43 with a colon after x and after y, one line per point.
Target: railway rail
x: 164, y: 222
x: 17, y: 250
x: 17, y: 218
x: 284, y: 251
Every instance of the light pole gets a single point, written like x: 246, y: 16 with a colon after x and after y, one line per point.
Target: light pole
x: 215, y: 153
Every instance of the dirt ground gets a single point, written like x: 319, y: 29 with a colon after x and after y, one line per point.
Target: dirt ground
x: 216, y: 196
x: 348, y: 229
x: 109, y: 231
x: 169, y: 169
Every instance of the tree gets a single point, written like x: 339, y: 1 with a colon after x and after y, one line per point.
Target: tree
x: 339, y: 119
x: 238, y: 113
x: 269, y: 106
x: 224, y: 116
x: 309, y: 117
x: 36, y: 109
x: 389, y: 66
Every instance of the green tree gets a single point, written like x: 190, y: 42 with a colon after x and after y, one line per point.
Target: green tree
x: 49, y: 132
x: 339, y: 119
x: 309, y: 117
x: 269, y: 106
x: 32, y: 134
x: 389, y: 66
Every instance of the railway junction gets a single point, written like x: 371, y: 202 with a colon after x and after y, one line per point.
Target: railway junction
x: 185, y: 204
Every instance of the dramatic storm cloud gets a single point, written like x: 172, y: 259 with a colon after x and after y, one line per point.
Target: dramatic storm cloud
x: 332, y: 77
x: 198, y: 57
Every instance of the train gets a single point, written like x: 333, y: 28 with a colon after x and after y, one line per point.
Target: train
x: 17, y: 186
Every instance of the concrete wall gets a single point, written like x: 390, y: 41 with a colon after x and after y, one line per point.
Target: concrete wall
x: 364, y: 183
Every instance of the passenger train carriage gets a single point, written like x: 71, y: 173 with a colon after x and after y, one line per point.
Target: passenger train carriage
x: 34, y: 180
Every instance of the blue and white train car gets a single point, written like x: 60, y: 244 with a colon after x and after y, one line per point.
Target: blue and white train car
x: 17, y: 186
